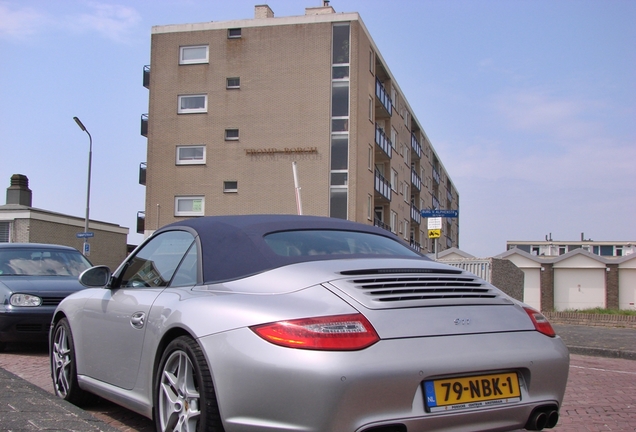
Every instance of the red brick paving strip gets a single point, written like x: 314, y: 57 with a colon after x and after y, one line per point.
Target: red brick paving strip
x: 601, y: 393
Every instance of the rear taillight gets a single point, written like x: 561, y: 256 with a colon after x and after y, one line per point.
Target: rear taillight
x: 331, y: 333
x: 541, y: 323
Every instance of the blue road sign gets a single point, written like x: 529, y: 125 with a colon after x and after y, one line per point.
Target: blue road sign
x: 84, y: 234
x: 427, y: 213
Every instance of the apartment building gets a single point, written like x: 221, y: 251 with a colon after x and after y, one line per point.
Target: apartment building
x: 286, y: 115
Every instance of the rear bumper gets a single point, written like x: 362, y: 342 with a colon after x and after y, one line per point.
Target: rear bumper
x: 262, y: 387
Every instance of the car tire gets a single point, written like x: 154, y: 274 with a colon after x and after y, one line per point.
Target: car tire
x: 184, y: 393
x: 64, y: 367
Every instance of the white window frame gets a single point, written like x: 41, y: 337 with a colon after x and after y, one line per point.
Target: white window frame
x: 227, y: 83
x: 180, y: 161
x: 234, y: 36
x: 394, y: 180
x: 236, y: 138
x: 393, y: 222
x: 183, y: 61
x: 193, y: 198
x: 192, y: 110
x: 230, y: 190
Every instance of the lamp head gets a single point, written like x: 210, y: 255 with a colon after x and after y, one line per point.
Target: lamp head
x: 79, y: 123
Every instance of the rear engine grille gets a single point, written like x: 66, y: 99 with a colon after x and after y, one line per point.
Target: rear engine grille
x: 385, y: 286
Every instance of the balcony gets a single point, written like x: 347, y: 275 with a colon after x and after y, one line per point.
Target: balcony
x: 147, y: 76
x: 144, y: 125
x: 416, y: 214
x: 141, y: 222
x: 142, y: 173
x: 383, y: 141
x: 416, y: 181
x: 382, y: 186
x: 416, y: 146
x: 436, y: 177
x: 377, y: 222
x: 415, y: 245
x: 383, y: 97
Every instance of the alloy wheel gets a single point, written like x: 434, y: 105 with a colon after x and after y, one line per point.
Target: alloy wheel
x: 178, y: 395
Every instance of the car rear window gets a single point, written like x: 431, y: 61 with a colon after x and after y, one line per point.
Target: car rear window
x: 334, y: 242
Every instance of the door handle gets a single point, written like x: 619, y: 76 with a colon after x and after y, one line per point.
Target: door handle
x: 138, y: 320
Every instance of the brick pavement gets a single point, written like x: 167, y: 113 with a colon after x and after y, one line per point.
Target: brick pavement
x: 600, y: 396
x: 601, y: 392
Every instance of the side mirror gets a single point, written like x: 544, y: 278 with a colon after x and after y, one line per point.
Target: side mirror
x: 95, y: 277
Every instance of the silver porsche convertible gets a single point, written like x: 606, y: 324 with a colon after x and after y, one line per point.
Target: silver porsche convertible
x: 302, y: 323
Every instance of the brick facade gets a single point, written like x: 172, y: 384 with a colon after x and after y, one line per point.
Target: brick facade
x: 598, y: 320
x: 284, y: 102
x: 547, y: 287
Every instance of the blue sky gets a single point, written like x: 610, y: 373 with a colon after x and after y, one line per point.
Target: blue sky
x: 531, y: 105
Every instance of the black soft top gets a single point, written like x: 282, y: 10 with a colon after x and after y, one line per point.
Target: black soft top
x: 233, y: 246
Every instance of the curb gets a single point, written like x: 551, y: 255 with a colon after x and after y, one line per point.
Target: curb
x: 42, y: 410
x: 602, y: 352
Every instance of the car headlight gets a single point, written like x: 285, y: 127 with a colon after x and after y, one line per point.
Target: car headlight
x: 25, y: 300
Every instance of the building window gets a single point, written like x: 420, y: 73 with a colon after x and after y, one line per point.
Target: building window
x: 340, y: 49
x: 193, y: 104
x: 371, y: 61
x: 233, y: 83
x: 190, y: 155
x: 369, y: 206
x: 370, y: 108
x: 338, y: 192
x: 231, y: 134
x: 230, y: 186
x: 340, y: 99
x: 340, y: 125
x: 394, y: 98
x: 5, y: 230
x: 234, y: 33
x: 393, y: 225
x: 340, y: 73
x: 370, y: 158
x: 189, y: 206
x: 394, y: 180
x: 338, y: 202
x: 194, y: 54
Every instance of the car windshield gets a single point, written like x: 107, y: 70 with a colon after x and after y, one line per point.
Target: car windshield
x: 334, y: 242
x: 39, y: 262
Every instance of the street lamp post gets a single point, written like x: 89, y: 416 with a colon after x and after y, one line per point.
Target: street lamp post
x: 86, y: 248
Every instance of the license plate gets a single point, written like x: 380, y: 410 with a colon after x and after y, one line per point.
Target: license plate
x: 472, y: 392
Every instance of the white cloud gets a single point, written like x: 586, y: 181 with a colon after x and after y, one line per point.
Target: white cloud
x: 19, y: 23
x: 114, y: 22
x: 538, y: 112
x: 547, y: 143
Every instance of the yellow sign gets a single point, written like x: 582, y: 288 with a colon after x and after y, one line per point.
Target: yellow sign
x: 434, y: 233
